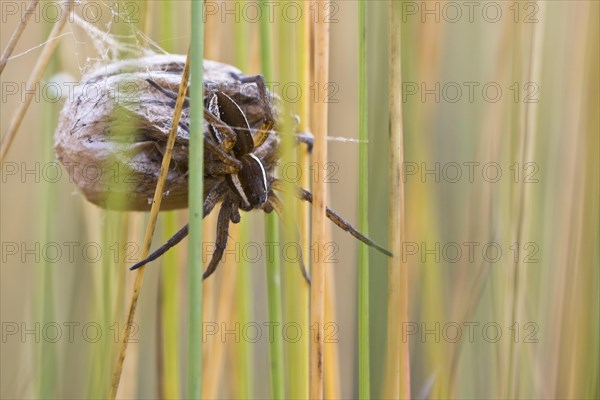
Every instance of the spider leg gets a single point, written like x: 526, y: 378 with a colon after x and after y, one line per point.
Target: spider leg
x: 234, y: 165
x: 272, y: 146
x: 224, y: 129
x: 263, y: 133
x: 221, y: 242
x: 276, y: 205
x: 235, y: 213
x: 265, y: 130
x: 269, y: 147
x: 209, y: 203
x: 305, y: 195
x: 229, y: 136
x: 307, y: 138
x: 176, y: 238
x: 170, y: 94
x: 218, y: 168
x: 219, y: 152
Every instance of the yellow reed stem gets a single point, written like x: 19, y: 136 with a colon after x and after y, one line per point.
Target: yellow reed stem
x: 319, y: 234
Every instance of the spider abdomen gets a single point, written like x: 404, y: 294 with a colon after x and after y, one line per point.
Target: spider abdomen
x: 250, y: 183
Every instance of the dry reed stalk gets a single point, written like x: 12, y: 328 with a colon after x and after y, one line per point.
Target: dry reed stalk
x: 319, y: 234
x: 12, y: 42
x: 139, y: 277
x: 332, y: 379
x: 34, y: 79
x: 398, y: 357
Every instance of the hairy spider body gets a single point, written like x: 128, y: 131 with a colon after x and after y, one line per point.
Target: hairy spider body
x: 239, y: 169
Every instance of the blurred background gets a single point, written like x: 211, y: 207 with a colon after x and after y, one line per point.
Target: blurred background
x: 501, y: 175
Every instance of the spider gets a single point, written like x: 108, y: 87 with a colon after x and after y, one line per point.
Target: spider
x: 239, y: 168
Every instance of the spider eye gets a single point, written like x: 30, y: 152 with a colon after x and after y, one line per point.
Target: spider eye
x: 250, y: 183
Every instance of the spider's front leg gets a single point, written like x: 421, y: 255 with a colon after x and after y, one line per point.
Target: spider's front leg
x: 209, y: 203
x: 307, y: 196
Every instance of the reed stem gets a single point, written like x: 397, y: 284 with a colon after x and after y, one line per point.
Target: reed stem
x: 319, y: 233
x: 196, y: 201
x: 364, y: 376
x: 398, y: 357
x: 274, y: 293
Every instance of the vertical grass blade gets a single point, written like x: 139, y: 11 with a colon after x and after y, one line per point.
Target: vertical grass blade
x: 398, y: 274
x: 196, y: 200
x: 47, y: 368
x: 364, y: 375
x: 274, y: 295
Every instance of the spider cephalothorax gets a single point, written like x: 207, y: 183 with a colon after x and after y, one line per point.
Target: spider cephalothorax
x: 250, y: 181
x: 238, y: 168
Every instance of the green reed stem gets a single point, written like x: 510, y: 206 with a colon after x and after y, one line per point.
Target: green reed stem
x: 47, y: 368
x: 364, y: 376
x: 196, y: 200
x: 272, y: 236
